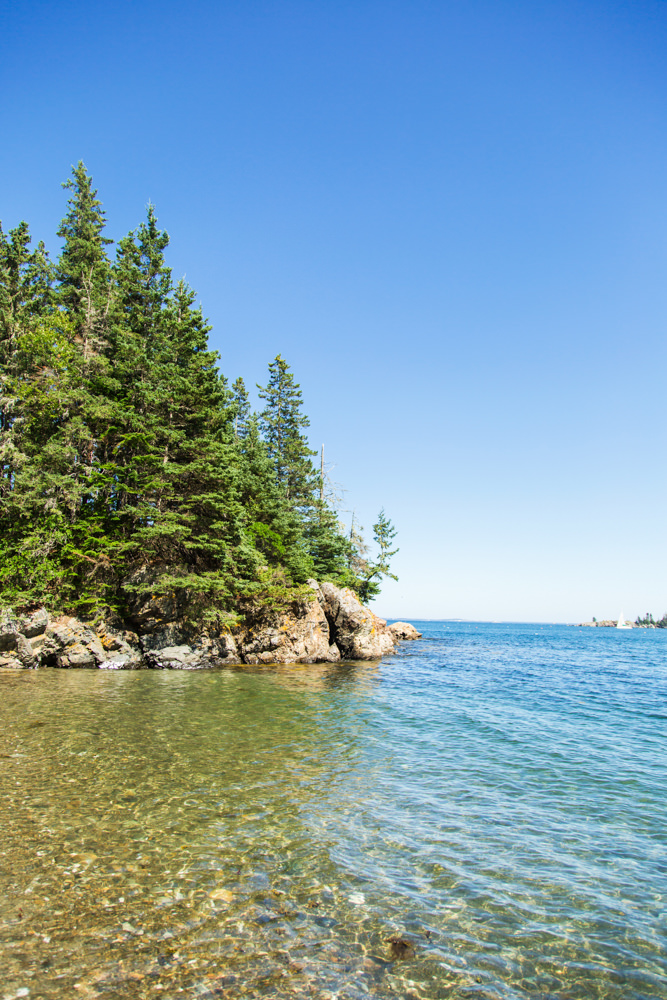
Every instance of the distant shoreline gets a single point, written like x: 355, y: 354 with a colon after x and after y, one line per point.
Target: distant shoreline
x: 607, y: 623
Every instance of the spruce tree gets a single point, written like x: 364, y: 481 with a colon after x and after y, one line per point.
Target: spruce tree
x: 127, y: 466
x: 25, y: 289
x: 282, y: 421
x: 83, y: 268
x: 327, y: 545
x: 275, y: 528
x: 241, y: 409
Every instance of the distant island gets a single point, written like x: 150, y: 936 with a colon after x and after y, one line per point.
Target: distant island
x: 137, y: 487
x: 648, y: 621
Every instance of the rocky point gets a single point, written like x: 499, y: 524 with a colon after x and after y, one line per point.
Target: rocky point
x: 323, y: 623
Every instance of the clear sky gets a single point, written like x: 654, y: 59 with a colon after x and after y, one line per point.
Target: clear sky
x: 449, y: 217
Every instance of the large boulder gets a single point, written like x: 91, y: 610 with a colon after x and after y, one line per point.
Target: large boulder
x: 69, y: 642
x: 404, y: 630
x: 16, y: 652
x: 35, y: 624
x: 21, y: 639
x: 175, y: 658
x: 357, y: 632
x: 122, y: 649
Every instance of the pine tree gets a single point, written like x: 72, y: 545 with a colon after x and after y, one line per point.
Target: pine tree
x: 25, y: 283
x: 357, y: 562
x: 42, y: 516
x: 282, y: 422
x: 142, y: 276
x: 187, y: 512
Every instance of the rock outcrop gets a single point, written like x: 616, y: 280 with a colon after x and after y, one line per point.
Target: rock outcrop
x: 321, y: 624
x: 357, y: 632
x: 297, y: 634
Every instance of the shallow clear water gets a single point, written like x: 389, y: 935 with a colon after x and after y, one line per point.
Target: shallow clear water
x: 494, y: 795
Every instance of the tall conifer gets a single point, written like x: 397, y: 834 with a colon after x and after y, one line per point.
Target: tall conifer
x: 241, y: 409
x: 122, y: 449
x: 83, y: 266
x: 282, y: 422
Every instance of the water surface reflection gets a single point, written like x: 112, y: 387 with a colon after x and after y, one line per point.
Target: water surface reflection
x: 269, y: 831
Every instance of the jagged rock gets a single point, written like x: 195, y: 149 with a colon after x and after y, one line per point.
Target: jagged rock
x: 69, y: 642
x: 403, y: 630
x: 35, y: 624
x: 298, y: 633
x: 122, y: 649
x: 204, y: 650
x: 8, y: 632
x: 16, y: 653
x: 203, y: 655
x: 227, y: 649
x: 9, y: 662
x: 357, y: 632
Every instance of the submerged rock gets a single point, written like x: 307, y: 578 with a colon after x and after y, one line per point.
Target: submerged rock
x: 400, y: 947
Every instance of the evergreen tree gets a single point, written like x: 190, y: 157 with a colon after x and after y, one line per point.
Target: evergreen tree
x: 383, y: 533
x: 328, y: 546
x: 282, y: 422
x: 25, y: 287
x: 357, y: 560
x: 83, y: 268
x: 275, y: 528
x: 42, y: 517
x: 179, y: 504
x: 25, y: 284
x: 142, y: 276
x: 126, y: 463
x: 241, y: 409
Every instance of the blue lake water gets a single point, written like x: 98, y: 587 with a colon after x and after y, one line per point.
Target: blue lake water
x: 481, y: 815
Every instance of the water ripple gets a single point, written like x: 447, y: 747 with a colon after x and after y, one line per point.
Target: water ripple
x: 493, y: 797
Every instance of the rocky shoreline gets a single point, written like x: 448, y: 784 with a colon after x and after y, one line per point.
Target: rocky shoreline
x: 323, y: 624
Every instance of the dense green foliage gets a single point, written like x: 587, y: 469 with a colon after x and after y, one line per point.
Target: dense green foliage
x: 649, y: 621
x: 122, y: 447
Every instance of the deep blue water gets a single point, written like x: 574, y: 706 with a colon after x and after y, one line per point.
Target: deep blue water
x: 495, y: 795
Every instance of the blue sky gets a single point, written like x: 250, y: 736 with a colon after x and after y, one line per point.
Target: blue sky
x: 450, y: 218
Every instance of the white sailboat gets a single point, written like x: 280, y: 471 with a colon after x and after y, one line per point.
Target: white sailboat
x: 622, y: 622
